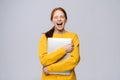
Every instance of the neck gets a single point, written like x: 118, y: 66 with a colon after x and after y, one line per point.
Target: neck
x: 59, y: 32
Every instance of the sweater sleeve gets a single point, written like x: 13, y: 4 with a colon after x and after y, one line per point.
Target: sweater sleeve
x: 45, y: 58
x: 69, y: 63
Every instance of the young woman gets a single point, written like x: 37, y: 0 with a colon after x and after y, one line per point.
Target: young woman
x: 49, y: 61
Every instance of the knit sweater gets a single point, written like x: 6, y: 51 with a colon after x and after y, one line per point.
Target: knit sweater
x: 50, y: 60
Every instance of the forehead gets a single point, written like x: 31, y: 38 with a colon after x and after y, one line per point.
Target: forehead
x: 58, y: 12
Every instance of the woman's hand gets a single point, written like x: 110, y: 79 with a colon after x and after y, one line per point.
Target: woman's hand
x: 45, y: 70
x: 69, y: 47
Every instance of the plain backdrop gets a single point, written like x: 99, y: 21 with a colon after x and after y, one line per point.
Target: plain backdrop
x: 97, y: 23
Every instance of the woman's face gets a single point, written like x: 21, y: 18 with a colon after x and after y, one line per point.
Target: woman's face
x: 59, y: 20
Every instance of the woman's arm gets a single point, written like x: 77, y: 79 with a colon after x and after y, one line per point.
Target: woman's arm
x: 45, y: 58
x: 70, y: 62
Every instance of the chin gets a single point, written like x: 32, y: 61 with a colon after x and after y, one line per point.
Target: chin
x: 60, y: 29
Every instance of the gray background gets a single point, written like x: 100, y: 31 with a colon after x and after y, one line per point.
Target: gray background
x: 97, y: 23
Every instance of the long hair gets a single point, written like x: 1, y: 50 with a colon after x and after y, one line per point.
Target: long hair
x: 51, y: 31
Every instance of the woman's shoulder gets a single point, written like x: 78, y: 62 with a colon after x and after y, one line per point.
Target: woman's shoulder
x: 74, y: 37
x: 43, y: 36
x: 71, y: 33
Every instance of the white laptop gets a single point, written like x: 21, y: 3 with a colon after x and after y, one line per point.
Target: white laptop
x: 54, y: 44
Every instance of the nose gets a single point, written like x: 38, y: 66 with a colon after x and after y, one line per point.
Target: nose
x: 59, y: 18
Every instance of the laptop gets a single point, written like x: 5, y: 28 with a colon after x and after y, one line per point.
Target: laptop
x: 54, y: 44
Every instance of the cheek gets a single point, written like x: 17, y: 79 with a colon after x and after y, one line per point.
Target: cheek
x: 53, y: 21
x: 64, y: 20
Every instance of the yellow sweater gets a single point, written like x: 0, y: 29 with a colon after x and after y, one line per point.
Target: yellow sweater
x: 49, y: 60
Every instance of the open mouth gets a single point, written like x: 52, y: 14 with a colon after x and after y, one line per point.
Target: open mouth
x: 59, y: 24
